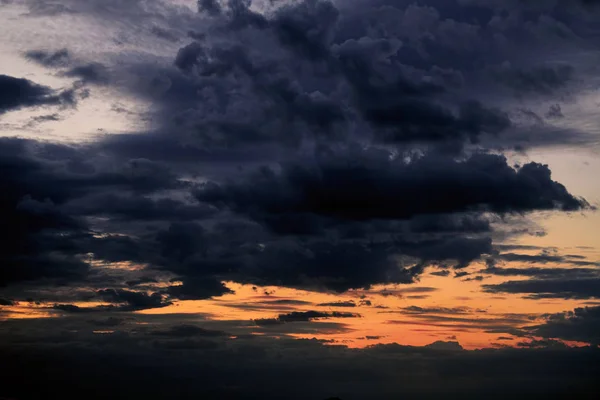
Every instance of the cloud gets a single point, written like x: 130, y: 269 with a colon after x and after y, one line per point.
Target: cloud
x: 314, y: 145
x: 138, y: 208
x: 211, y: 7
x: 341, y: 187
x: 141, y: 281
x: 133, y: 300
x: 397, y: 108
x: 122, y: 300
x: 565, y: 288
x: 435, y: 310
x: 580, y: 325
x: 190, y: 331
x: 198, y: 289
x: 17, y: 93
x: 5, y: 302
x: 154, y: 363
x: 292, y: 302
x: 44, y: 238
x: 542, y: 79
x: 544, y: 258
x: 338, y: 304
x: 70, y: 66
x: 371, y: 121
x: 55, y: 59
x: 543, y: 344
x: 553, y: 272
x: 249, y: 254
x: 39, y: 238
x: 316, y: 70
x: 89, y: 73
x: 43, y: 118
x: 408, y: 290
x: 445, y: 346
x: 510, y: 323
x: 71, y: 308
x: 304, y: 316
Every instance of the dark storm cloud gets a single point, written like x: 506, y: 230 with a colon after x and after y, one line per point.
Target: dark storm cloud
x: 133, y: 300
x: 251, y: 89
x: 368, y: 185
x: 565, y: 288
x: 455, y: 222
x: 397, y: 107
x: 318, y: 263
x: 543, y: 79
x: 122, y: 300
x: 316, y: 70
x: 16, y: 93
x: 198, y: 289
x: 581, y: 324
x: 141, y: 281
x: 187, y: 56
x: 155, y: 364
x: 382, y: 68
x: 62, y: 172
x: 38, y: 237
x: 138, y: 208
x: 71, y: 308
x: 212, y: 7
x: 246, y: 252
x: 203, y: 257
x: 299, y: 316
x: 6, y: 302
x: 276, y: 100
x: 554, y: 111
x: 42, y: 236
x: 304, y: 316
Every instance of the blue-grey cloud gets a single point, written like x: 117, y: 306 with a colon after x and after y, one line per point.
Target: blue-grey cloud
x: 16, y: 93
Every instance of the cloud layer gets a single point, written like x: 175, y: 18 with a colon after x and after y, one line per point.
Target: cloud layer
x: 341, y: 150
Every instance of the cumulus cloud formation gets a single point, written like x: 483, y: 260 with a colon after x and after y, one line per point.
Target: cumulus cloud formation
x: 362, y: 149
x: 361, y: 186
x: 346, y: 151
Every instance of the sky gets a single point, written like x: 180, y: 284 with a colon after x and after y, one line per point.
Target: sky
x: 308, y: 199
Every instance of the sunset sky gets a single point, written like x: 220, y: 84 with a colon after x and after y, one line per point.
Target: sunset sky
x: 217, y: 199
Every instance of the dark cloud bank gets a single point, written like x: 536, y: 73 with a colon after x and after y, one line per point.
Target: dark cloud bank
x: 188, y: 360
x: 316, y: 145
x: 17, y: 93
